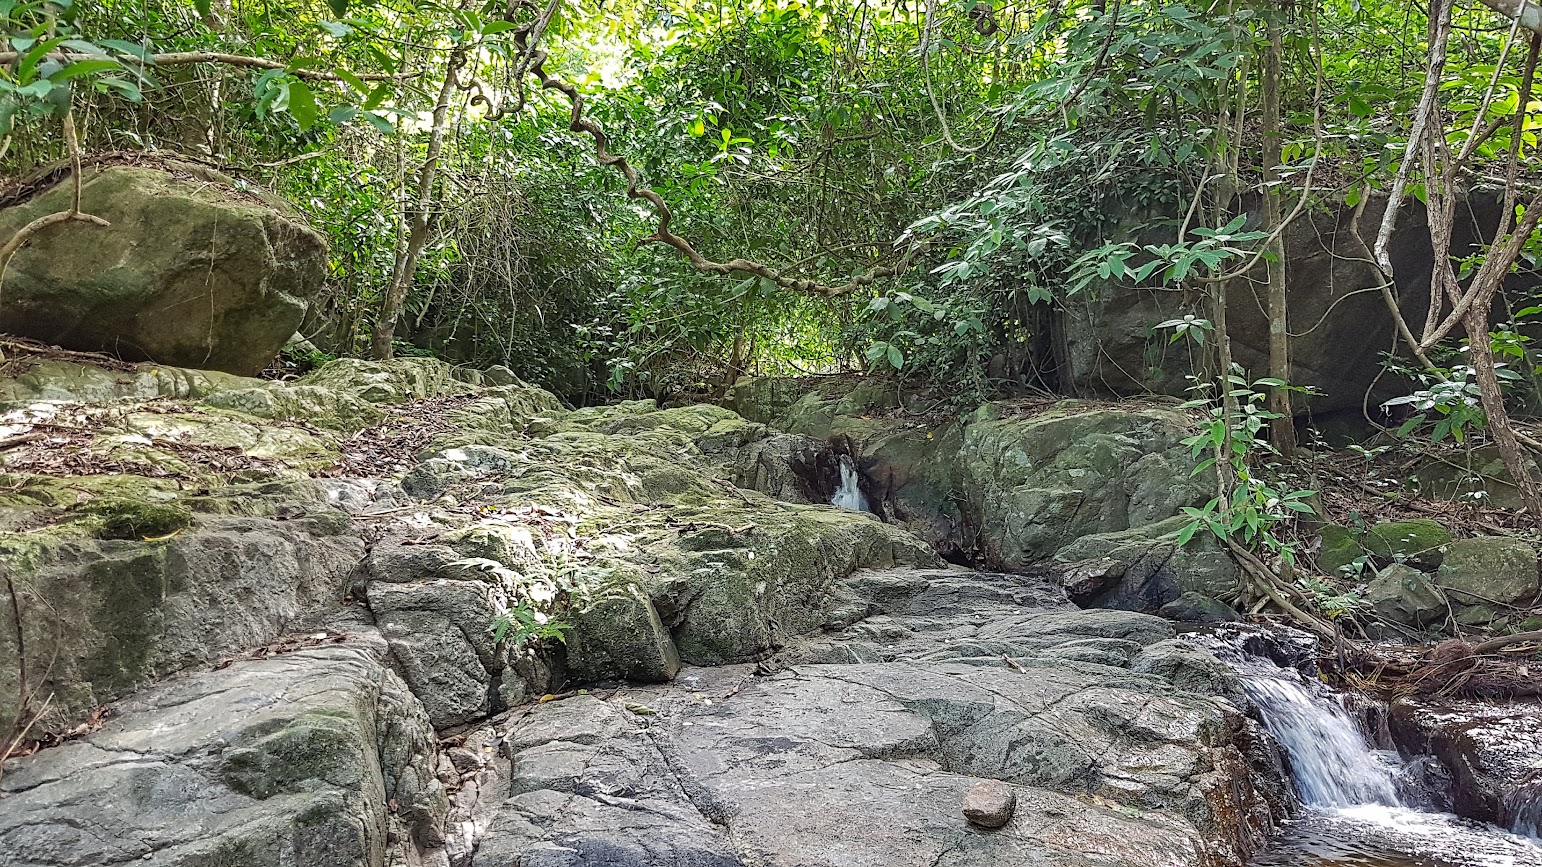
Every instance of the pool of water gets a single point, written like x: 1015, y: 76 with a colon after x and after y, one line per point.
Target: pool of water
x: 1380, y: 836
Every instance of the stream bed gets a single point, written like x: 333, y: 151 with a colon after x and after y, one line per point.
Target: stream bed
x: 1361, y: 806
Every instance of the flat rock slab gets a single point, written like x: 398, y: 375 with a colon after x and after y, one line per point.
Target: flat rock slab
x: 865, y: 763
x: 286, y: 760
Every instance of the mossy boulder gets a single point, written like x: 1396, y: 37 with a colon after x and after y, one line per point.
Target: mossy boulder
x: 190, y: 272
x: 33, y: 378
x: 1489, y: 571
x: 138, y: 519
x: 1419, y: 542
x: 1339, y: 551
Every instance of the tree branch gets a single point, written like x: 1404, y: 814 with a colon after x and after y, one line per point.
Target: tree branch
x: 184, y: 58
x: 1526, y: 13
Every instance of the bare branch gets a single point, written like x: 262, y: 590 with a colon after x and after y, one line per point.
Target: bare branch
x: 184, y: 58
x: 1526, y: 13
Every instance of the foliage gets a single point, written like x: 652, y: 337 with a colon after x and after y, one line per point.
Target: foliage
x: 1231, y: 444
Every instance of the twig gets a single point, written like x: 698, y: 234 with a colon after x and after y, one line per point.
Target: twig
x: 74, y: 214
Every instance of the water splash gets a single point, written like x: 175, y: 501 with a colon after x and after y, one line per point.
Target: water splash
x: 1522, y: 809
x: 849, y: 495
x: 1331, y: 761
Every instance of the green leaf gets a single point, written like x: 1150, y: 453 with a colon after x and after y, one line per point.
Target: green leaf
x: 129, y: 49
x: 338, y: 7
x: 342, y: 114
x: 302, y: 104
x: 203, y: 7
x: 896, y: 357
x: 83, y: 67
x: 379, y: 122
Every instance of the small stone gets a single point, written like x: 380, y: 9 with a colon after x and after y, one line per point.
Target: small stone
x: 989, y: 804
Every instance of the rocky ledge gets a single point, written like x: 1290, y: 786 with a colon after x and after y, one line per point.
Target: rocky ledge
x: 402, y: 614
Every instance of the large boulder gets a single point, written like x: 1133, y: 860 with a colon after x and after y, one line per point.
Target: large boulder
x: 1112, y: 345
x: 1489, y: 575
x: 191, y: 272
x: 318, y: 757
x: 862, y: 750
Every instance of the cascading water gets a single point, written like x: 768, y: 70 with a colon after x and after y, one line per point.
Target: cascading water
x: 849, y: 494
x: 1332, y: 762
x: 1354, y: 814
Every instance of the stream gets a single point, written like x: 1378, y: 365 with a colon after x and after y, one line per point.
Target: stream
x: 1359, y: 808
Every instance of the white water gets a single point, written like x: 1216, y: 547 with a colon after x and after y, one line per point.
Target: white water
x: 1355, y: 814
x: 1331, y: 761
x: 848, y: 495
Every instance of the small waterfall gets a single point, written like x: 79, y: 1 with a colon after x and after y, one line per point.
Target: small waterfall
x: 1331, y: 761
x: 1522, y: 809
x: 849, y: 495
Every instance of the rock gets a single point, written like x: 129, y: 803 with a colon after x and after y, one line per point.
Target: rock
x: 1402, y: 594
x: 1190, y: 669
x: 316, y: 758
x: 1193, y: 607
x: 1489, y: 752
x: 1088, y: 580
x: 32, y: 378
x: 1157, y: 570
x: 862, y: 752
x: 1419, y: 542
x: 121, y: 614
x: 1111, y: 344
x: 191, y: 272
x: 1484, y: 571
x: 1339, y: 551
x: 1007, y: 486
x: 989, y: 804
x: 622, y: 638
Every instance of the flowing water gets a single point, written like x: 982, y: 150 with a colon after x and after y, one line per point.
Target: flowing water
x: 1355, y: 813
x: 849, y: 495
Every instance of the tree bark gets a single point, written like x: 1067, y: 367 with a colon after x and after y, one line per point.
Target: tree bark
x: 1282, y: 428
x: 1527, y: 13
x: 418, y: 221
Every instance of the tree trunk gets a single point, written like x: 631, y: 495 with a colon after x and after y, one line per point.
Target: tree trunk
x: 1500, y: 429
x: 418, y: 221
x: 1282, y: 428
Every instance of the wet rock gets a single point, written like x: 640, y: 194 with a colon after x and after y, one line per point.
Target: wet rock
x: 1194, y: 607
x: 190, y: 273
x: 1402, y: 594
x: 1492, y: 754
x: 989, y: 804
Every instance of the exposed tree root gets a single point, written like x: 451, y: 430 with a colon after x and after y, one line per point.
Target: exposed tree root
x: 1496, y: 668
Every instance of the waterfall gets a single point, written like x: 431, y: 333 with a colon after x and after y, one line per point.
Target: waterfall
x: 1331, y: 761
x: 849, y: 495
x: 1522, y: 809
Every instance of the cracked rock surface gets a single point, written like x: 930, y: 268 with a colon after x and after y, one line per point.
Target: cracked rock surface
x: 860, y: 748
x: 315, y: 758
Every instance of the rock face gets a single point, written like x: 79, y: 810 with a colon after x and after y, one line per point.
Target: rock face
x: 1112, y: 347
x: 291, y: 759
x: 1017, y: 484
x: 191, y: 272
x: 1492, y: 755
x: 321, y: 614
x: 861, y: 750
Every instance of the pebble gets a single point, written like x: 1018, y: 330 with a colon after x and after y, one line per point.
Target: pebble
x: 989, y: 804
